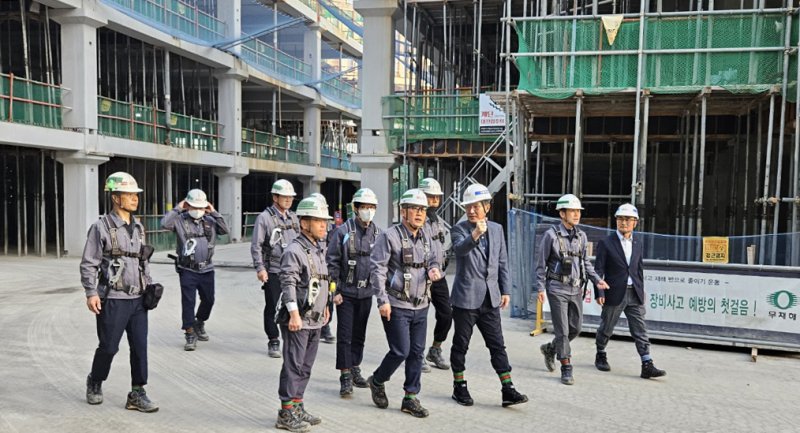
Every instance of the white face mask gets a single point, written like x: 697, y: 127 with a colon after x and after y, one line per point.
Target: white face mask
x: 197, y: 213
x: 366, y: 215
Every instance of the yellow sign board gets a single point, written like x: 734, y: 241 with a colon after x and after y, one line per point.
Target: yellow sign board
x: 715, y: 249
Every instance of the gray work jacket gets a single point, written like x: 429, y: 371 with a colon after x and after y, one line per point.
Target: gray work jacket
x: 438, y: 233
x: 204, y: 231
x: 352, y: 235
x: 97, y: 258
x: 387, y: 269
x: 272, y: 233
x: 297, y: 273
x: 548, y: 259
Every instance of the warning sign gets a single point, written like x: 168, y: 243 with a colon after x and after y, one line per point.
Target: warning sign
x: 715, y: 250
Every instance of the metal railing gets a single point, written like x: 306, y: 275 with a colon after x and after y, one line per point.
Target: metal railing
x: 138, y: 122
x: 182, y: 16
x: 335, y: 158
x: 264, y: 145
x: 265, y: 57
x: 30, y: 102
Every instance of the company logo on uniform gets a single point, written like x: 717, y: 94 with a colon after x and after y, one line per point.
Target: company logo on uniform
x: 782, y: 299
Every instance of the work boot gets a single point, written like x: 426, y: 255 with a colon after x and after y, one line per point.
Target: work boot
x: 425, y: 367
x: 138, y: 400
x: 435, y: 357
x: 327, y: 336
x: 191, y: 341
x: 461, y: 394
x: 413, y: 406
x: 549, y: 356
x: 288, y: 420
x: 650, y: 371
x: 346, y: 388
x: 302, y: 415
x: 511, y: 396
x: 358, y: 379
x: 566, y: 374
x: 378, y: 393
x: 274, y: 348
x: 601, y: 362
x: 94, y: 391
x: 199, y: 328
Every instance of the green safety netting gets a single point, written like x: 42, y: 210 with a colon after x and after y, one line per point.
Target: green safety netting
x: 744, y: 71
x: 29, y: 102
x: 432, y: 117
x: 264, y: 145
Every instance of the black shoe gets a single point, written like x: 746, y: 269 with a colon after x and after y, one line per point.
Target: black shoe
x: 549, y: 356
x: 302, y: 415
x: 435, y: 357
x: 601, y: 362
x: 650, y: 371
x: 566, y: 374
x: 378, y: 393
x: 346, y: 388
x: 288, y: 420
x: 358, y: 379
x: 191, y: 341
x: 413, y: 406
x: 138, y: 400
x: 200, y: 329
x: 94, y: 391
x: 461, y: 394
x: 327, y: 336
x: 274, y: 348
x: 511, y: 396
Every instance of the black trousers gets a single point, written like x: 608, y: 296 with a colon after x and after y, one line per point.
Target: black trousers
x: 118, y: 316
x: 405, y: 333
x: 192, y: 285
x: 440, y: 298
x: 488, y: 321
x: 351, y: 331
x: 272, y: 292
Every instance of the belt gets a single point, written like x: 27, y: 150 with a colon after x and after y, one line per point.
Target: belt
x: 629, y: 286
x: 564, y: 279
x: 402, y: 296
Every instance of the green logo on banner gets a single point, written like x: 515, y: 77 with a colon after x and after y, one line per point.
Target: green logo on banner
x: 782, y: 299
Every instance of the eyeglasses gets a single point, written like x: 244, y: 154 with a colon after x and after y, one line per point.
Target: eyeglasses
x: 626, y: 219
x: 417, y: 209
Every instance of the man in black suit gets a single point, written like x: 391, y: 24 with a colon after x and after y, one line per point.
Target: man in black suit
x: 619, y: 262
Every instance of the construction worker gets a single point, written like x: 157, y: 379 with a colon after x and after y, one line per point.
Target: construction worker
x: 274, y: 229
x: 619, y: 262
x: 348, y: 260
x: 196, y: 225
x: 481, y: 288
x: 327, y: 335
x: 401, y: 270
x: 115, y: 251
x: 562, y: 271
x: 440, y: 293
x: 304, y: 310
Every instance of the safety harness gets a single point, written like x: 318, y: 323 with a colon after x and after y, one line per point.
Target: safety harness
x: 116, y: 266
x: 407, y: 256
x: 277, y: 234
x: 187, y: 258
x: 353, y: 252
x: 315, y: 286
x: 566, y: 278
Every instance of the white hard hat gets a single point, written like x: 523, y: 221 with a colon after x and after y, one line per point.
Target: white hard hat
x: 121, y: 182
x: 414, y: 197
x: 365, y: 196
x: 627, y: 210
x: 430, y: 186
x: 283, y: 187
x: 475, y: 193
x: 568, y: 201
x: 312, y: 207
x: 197, y: 198
x: 320, y: 197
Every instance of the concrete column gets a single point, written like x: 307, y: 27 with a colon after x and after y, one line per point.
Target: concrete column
x: 81, y: 197
x: 312, y: 50
x: 375, y: 160
x: 230, y: 12
x: 230, y: 117
x: 312, y: 185
x: 79, y: 68
x: 312, y: 131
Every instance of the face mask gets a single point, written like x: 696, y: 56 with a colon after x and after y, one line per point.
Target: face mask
x: 366, y: 215
x: 197, y: 213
